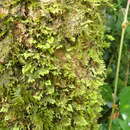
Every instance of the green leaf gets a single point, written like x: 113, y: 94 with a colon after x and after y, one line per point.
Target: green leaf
x: 27, y: 54
x: 69, y: 108
x: 43, y: 46
x: 43, y: 71
x: 80, y: 121
x: 110, y: 37
x: 124, y: 97
x: 38, y: 96
x: 50, y: 90
x: 27, y: 68
x: 120, y: 124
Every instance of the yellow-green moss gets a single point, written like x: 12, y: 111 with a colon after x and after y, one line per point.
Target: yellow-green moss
x: 51, y: 64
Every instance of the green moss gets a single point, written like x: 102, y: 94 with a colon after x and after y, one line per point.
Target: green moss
x: 53, y: 67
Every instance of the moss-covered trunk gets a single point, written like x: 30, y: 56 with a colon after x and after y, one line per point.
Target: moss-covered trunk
x: 51, y: 64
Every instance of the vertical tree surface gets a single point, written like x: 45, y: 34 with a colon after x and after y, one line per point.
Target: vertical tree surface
x: 51, y: 64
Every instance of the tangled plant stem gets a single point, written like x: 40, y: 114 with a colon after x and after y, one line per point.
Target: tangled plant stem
x: 124, y: 26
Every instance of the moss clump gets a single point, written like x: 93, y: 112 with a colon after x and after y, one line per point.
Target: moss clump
x: 50, y: 64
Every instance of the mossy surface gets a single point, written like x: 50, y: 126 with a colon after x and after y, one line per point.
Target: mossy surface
x: 51, y: 64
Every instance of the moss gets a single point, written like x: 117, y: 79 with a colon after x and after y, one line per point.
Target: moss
x: 53, y: 67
